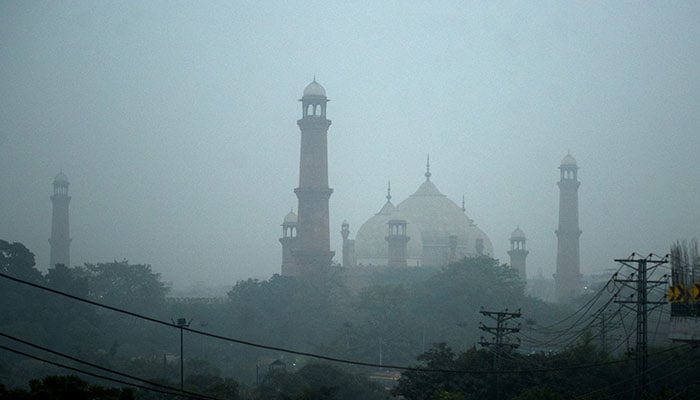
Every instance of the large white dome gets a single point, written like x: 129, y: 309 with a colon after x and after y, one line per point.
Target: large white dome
x: 436, y: 225
x: 438, y: 218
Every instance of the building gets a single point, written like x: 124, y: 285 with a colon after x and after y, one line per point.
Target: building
x: 518, y: 253
x: 684, y: 293
x: 348, y: 245
x: 426, y: 229
x: 289, y: 240
x: 310, y: 247
x: 60, y: 230
x: 567, y: 278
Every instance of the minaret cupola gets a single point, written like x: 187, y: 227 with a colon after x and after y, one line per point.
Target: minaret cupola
x: 314, y: 100
x: 60, y: 224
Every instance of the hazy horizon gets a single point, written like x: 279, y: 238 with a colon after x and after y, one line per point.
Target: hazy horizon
x: 176, y: 123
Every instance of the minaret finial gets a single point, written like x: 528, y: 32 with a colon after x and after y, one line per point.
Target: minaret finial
x: 388, y: 191
x: 427, y: 169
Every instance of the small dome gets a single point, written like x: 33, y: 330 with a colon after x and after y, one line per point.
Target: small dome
x: 568, y: 160
x: 371, y: 247
x: 291, y: 218
x: 517, y: 234
x: 345, y: 223
x: 61, y: 178
x: 314, y: 89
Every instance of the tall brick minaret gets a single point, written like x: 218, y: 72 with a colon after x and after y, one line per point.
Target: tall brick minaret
x: 567, y: 279
x: 313, y: 236
x: 60, y: 232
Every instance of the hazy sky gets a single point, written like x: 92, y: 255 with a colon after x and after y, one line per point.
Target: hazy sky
x: 176, y: 122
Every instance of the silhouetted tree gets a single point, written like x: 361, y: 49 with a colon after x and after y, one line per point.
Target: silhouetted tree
x: 66, y: 388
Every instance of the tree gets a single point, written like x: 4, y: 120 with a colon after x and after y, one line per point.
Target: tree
x: 120, y: 284
x: 16, y: 260
x: 212, y: 385
x: 537, y: 393
x: 318, y: 381
x: 71, y: 325
x: 19, y: 303
x: 66, y: 388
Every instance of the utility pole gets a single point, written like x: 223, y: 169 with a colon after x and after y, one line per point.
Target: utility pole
x: 605, y: 328
x: 638, y: 281
x: 500, y: 332
x: 182, y: 323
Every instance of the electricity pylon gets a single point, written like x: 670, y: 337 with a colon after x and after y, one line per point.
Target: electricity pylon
x: 640, y: 284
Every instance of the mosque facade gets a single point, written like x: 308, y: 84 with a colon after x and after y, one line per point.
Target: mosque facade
x: 425, y: 229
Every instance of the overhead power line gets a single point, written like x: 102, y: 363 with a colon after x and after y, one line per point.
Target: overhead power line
x: 58, y: 353
x: 588, y: 305
x: 641, y: 284
x: 174, y: 391
x: 303, y: 353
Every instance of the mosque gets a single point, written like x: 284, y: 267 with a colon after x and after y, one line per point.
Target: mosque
x: 426, y: 229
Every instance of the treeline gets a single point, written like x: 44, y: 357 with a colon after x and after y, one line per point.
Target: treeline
x: 378, y: 316
x: 580, y: 372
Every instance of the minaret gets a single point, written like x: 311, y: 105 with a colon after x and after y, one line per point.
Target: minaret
x: 60, y: 232
x: 288, y: 240
x: 567, y: 279
x: 518, y: 252
x: 348, y: 245
x: 397, y: 240
x: 313, y: 237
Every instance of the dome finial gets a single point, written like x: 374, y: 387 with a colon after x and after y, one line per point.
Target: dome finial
x: 388, y: 191
x: 464, y: 209
x: 314, y: 77
x: 427, y: 169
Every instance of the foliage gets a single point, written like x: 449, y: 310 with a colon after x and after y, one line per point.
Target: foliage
x: 318, y: 381
x: 212, y: 385
x: 538, y: 393
x: 65, y: 388
x: 429, y: 385
x: 393, y: 317
x: 130, y: 286
x: 578, y: 372
x: 16, y: 260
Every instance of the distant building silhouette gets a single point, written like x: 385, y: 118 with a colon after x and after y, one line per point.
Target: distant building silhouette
x: 60, y: 230
x: 311, y: 248
x: 568, y: 274
x: 518, y: 253
x: 397, y: 240
x: 348, y: 245
x: 426, y: 229
x: 289, y: 240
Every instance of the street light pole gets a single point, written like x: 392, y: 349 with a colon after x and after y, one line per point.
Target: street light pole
x: 182, y: 323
